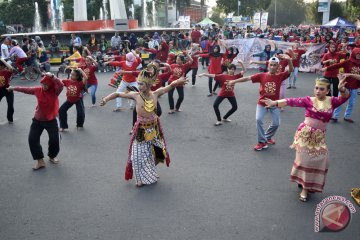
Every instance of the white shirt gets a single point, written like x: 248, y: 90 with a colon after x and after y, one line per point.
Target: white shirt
x: 4, y: 51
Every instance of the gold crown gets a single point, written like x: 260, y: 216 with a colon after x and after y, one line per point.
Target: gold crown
x: 148, y: 75
x: 320, y: 82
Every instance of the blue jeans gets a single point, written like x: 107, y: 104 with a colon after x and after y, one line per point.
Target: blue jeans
x: 92, y: 88
x: 349, y: 107
x: 122, y: 88
x: 275, y: 123
x: 293, y: 77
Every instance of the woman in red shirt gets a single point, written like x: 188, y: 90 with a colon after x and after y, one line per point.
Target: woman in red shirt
x: 45, y: 118
x: 329, y: 59
x: 178, y: 70
x: 6, y: 72
x: 130, y: 64
x: 194, y: 51
x: 74, y: 89
x: 226, y: 92
x: 90, y: 69
x: 214, y: 67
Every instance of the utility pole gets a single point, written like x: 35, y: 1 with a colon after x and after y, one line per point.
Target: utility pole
x: 166, y: 13
x: 275, y: 20
x: 238, y: 10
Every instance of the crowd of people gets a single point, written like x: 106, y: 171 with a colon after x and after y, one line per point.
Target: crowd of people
x: 173, y: 57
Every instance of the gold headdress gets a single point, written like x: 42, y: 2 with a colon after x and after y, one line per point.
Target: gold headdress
x: 148, y: 75
x: 322, y: 82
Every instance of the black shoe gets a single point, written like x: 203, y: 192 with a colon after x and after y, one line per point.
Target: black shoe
x: 334, y: 120
x: 294, y: 87
x: 288, y: 87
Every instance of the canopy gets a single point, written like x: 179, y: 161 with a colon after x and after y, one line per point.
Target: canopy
x: 338, y: 23
x: 206, y: 21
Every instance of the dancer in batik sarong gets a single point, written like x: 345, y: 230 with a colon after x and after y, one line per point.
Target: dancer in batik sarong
x: 147, y: 144
x: 311, y: 161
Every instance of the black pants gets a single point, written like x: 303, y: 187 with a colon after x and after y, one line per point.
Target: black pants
x: 205, y: 60
x: 36, y: 129
x: 10, y: 102
x: 217, y: 102
x: 180, y: 91
x: 158, y: 112
x: 193, y: 75
x: 335, y: 83
x: 80, y: 116
x: 211, y: 89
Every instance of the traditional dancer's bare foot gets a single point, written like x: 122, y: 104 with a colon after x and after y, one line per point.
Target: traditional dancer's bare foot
x: 39, y: 164
x: 139, y: 184
x: 172, y: 111
x: 226, y: 120
x: 54, y: 160
x: 303, y: 196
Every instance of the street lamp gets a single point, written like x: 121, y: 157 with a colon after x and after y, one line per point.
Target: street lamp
x: 275, y: 22
x: 239, y: 4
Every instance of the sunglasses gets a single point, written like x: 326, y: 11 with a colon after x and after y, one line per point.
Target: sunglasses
x: 320, y: 88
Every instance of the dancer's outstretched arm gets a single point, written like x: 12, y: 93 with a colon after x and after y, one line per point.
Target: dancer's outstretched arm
x: 174, y: 84
x: 112, y: 96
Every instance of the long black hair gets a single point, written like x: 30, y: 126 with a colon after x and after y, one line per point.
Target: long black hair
x: 216, y: 54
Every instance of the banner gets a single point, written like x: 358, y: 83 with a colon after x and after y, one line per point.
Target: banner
x: 256, y: 20
x: 323, y: 6
x: 310, y: 61
x: 264, y: 20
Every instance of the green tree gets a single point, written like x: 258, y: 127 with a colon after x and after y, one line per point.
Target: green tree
x: 337, y: 9
x: 353, y: 10
x: 288, y: 12
x: 218, y: 15
x: 247, y: 8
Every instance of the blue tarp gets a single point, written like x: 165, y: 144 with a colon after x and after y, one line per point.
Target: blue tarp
x: 338, y: 23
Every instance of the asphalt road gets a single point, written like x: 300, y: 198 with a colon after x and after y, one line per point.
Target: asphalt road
x: 217, y: 186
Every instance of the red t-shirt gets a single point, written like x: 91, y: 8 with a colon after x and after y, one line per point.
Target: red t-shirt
x: 335, y: 56
x: 161, y: 78
x: 90, y: 73
x: 228, y: 59
x: 195, y: 36
x: 215, y: 63
x: 227, y: 91
x: 297, y: 54
x: 349, y: 67
x: 73, y: 90
x: 269, y: 84
x: 127, y: 77
x: 5, y: 76
x: 195, y: 63
x: 178, y: 71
